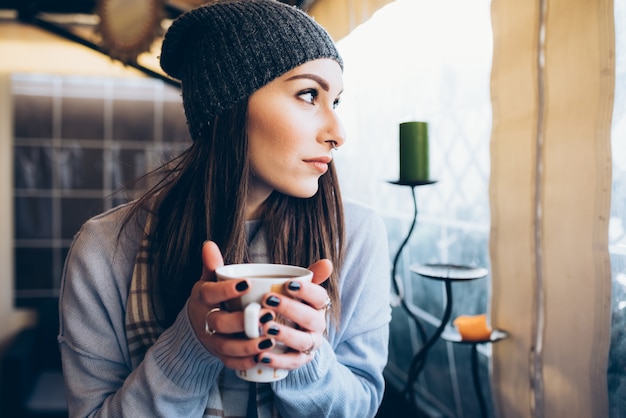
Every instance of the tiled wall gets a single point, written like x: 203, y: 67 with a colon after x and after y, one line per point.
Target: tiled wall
x: 77, y: 142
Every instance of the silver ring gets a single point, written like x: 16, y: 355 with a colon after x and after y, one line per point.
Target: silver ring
x: 208, y: 330
x: 327, y: 305
x: 309, y: 350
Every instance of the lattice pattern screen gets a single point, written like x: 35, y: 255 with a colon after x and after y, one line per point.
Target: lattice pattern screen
x: 78, y: 141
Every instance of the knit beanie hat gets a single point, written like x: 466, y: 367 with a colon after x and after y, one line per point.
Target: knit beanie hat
x: 225, y: 51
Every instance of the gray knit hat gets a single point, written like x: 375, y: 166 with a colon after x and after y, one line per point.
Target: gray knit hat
x: 225, y: 51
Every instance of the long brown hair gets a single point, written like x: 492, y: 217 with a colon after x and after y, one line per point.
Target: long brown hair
x: 201, y: 195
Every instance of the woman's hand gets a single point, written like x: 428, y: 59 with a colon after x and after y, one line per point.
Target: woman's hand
x: 307, y: 309
x: 221, y: 332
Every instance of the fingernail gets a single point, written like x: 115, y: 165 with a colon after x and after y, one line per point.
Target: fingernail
x: 263, y: 360
x: 266, y: 318
x: 273, y: 330
x: 241, y: 286
x: 265, y: 344
x: 272, y: 301
x: 295, y: 286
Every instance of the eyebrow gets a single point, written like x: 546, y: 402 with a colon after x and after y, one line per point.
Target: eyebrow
x: 319, y: 80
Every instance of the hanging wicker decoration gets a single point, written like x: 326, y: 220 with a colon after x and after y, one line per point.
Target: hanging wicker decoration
x: 129, y: 27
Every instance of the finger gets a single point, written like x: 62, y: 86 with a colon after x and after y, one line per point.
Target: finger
x: 298, y: 340
x: 321, y: 270
x: 229, y: 346
x: 213, y: 293
x: 211, y: 260
x: 209, y: 295
x: 303, y: 315
x: 237, y: 353
x: 218, y: 321
x: 289, y: 360
x: 313, y: 295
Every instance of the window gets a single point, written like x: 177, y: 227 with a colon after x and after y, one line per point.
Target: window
x: 408, y: 63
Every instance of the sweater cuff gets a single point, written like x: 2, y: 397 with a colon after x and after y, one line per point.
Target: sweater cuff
x: 183, y: 359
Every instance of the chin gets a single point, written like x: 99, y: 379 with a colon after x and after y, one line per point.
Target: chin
x: 303, y: 195
x: 303, y: 192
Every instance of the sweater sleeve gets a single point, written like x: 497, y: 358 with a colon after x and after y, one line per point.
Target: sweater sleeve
x: 177, y: 373
x: 345, y: 378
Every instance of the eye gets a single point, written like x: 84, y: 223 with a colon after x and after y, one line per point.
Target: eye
x: 309, y: 95
x: 337, y: 102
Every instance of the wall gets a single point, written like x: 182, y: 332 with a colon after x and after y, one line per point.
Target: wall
x: 32, y: 50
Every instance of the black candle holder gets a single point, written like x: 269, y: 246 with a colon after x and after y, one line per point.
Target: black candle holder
x: 413, y: 185
x: 447, y: 273
x: 412, y: 311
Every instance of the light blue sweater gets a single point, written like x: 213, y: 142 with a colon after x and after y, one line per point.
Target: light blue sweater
x: 344, y: 379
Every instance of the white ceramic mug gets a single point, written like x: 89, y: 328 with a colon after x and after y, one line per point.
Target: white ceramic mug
x: 263, y: 278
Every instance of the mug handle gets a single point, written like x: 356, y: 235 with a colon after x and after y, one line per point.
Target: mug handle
x: 251, y: 320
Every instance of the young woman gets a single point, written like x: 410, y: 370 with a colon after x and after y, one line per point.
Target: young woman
x: 142, y: 329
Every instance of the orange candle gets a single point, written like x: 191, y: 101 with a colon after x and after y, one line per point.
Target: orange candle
x: 473, y: 327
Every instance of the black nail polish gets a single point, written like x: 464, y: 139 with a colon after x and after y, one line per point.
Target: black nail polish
x: 265, y: 360
x: 295, y: 286
x: 272, y: 301
x: 266, y: 318
x: 265, y: 344
x: 241, y: 286
x: 273, y: 330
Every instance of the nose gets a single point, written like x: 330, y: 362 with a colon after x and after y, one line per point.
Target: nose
x: 333, y: 132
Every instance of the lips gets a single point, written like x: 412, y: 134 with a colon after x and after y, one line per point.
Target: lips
x: 319, y: 163
x: 324, y: 159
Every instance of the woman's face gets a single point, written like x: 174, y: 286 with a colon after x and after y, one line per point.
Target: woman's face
x: 292, y: 127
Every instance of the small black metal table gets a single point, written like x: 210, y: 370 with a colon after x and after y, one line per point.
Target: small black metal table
x: 447, y: 273
x: 453, y: 336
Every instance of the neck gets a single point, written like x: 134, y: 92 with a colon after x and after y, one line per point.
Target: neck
x: 254, y: 200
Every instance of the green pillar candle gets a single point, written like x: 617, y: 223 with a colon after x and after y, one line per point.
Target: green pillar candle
x: 413, y: 151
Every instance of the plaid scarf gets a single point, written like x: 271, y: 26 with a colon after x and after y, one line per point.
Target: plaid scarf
x: 227, y: 394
